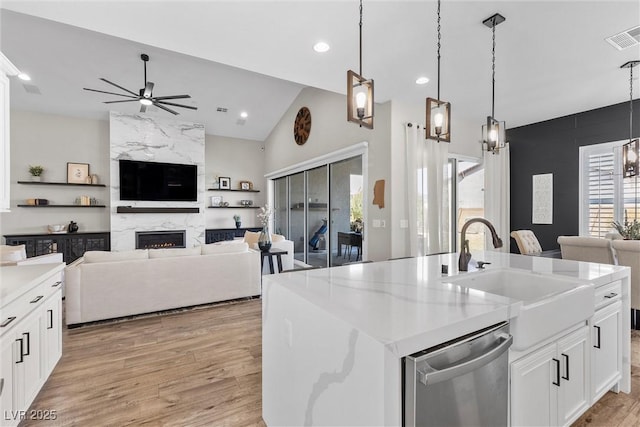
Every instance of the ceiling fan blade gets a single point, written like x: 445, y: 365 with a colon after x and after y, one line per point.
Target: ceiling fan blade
x: 118, y: 86
x: 109, y: 93
x: 114, y: 102
x: 165, y: 108
x: 171, y: 97
x: 148, y: 88
x: 177, y: 105
x: 143, y: 108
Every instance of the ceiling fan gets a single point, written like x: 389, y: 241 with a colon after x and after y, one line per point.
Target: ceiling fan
x: 145, y: 95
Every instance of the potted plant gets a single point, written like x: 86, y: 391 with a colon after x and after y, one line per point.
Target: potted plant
x: 36, y: 172
x: 237, y: 219
x: 629, y: 231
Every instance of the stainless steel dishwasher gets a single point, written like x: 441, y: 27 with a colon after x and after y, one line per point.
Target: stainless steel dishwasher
x: 463, y: 382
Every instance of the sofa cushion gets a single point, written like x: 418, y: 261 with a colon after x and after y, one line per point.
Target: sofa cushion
x: 251, y: 237
x: 172, y: 252
x: 277, y: 238
x: 106, y: 256
x: 221, y: 248
x: 12, y: 254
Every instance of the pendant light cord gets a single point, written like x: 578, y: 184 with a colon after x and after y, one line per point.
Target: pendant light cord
x: 360, y: 38
x: 630, y: 103
x: 493, y: 71
x: 439, y: 36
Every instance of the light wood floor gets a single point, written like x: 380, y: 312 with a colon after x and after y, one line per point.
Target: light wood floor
x: 199, y: 368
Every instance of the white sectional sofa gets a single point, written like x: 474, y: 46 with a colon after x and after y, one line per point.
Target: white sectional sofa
x: 105, y: 285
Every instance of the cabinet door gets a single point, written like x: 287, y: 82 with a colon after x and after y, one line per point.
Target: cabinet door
x: 7, y: 406
x: 27, y: 364
x: 573, y: 352
x: 51, y: 332
x: 606, y: 349
x: 534, y: 388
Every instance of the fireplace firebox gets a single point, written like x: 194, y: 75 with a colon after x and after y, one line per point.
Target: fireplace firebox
x: 160, y: 239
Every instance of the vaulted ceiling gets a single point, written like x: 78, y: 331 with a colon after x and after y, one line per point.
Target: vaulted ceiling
x: 255, y: 56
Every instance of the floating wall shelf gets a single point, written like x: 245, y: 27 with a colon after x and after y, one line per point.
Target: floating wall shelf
x: 234, y: 207
x: 60, y: 183
x: 61, y: 206
x: 240, y: 191
x: 131, y: 209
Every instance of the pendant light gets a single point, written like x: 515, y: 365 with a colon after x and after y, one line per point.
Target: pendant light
x: 438, y: 112
x: 631, y: 150
x: 359, y: 93
x: 493, y: 133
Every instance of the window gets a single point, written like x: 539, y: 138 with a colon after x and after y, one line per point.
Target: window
x: 605, y: 196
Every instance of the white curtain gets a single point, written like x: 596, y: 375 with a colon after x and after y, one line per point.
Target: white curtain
x: 427, y: 200
x: 496, y: 195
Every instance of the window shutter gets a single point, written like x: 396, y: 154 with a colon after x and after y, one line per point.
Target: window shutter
x: 601, y: 190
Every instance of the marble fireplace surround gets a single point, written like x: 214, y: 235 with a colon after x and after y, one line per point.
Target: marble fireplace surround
x: 153, y: 138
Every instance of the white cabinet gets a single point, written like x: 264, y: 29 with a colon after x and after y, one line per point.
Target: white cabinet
x: 606, y: 350
x: 7, y: 352
x: 51, y: 319
x: 27, y: 369
x: 550, y: 385
x: 6, y: 69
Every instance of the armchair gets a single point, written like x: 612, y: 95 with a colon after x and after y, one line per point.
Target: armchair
x: 589, y: 249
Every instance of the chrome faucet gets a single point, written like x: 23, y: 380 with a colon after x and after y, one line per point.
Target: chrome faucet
x: 465, y: 254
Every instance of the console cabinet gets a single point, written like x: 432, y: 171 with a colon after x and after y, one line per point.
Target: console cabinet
x: 219, y: 234
x: 30, y: 335
x: 71, y: 245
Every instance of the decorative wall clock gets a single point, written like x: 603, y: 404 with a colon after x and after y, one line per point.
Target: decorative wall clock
x: 302, y: 126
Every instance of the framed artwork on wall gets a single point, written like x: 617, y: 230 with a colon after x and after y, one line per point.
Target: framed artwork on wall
x: 77, y: 173
x: 216, y: 200
x: 225, y: 183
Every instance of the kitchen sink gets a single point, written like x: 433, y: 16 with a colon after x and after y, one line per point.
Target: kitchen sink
x: 545, y: 305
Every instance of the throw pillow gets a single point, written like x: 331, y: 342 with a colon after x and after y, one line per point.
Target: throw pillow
x: 275, y: 238
x: 105, y: 256
x: 217, y: 248
x: 173, y: 252
x: 251, y: 237
x: 10, y: 254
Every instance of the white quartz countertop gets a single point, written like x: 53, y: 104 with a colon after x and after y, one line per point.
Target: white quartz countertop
x: 16, y: 280
x: 407, y: 304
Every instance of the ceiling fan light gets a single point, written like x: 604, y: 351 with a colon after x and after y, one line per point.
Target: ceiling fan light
x: 145, y: 101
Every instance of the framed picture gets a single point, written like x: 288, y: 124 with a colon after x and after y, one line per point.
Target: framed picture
x: 245, y: 185
x: 225, y: 183
x: 77, y: 173
x: 216, y: 200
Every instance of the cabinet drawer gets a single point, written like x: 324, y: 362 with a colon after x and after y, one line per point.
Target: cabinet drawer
x: 608, y: 294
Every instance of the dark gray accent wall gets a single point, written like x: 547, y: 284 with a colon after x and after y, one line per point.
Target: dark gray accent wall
x: 552, y: 146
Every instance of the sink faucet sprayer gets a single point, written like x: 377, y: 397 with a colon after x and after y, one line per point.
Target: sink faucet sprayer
x: 465, y: 254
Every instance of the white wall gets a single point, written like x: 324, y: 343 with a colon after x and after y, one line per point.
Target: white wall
x: 241, y: 160
x: 330, y: 131
x: 52, y: 141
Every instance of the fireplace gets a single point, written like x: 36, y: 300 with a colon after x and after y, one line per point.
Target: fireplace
x: 160, y: 239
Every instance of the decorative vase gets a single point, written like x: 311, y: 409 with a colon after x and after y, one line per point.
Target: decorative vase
x: 72, y: 227
x: 36, y: 178
x: 264, y: 240
x: 238, y: 224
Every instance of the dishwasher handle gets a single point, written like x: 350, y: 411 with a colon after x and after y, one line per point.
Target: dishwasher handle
x: 434, y: 377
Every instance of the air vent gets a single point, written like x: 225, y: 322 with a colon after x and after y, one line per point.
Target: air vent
x: 625, y: 39
x: 222, y: 109
x: 32, y: 89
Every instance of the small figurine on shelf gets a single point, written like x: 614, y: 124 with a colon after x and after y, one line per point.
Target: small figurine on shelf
x: 36, y: 172
x: 72, y: 227
x: 238, y: 221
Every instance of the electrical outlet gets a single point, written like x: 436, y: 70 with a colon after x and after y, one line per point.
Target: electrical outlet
x: 376, y: 223
x: 383, y: 223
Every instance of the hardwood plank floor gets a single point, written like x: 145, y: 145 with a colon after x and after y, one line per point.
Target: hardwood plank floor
x: 200, y: 367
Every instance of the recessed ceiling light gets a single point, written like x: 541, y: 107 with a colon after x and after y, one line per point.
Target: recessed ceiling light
x: 244, y: 115
x: 321, y: 47
x: 24, y: 76
x: 422, y: 80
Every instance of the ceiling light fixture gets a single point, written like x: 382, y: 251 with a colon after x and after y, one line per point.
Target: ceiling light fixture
x: 493, y: 133
x: 359, y: 93
x: 438, y: 111
x: 321, y: 47
x: 631, y: 150
x: 244, y: 115
x: 422, y: 80
x: 145, y: 101
x: 24, y: 76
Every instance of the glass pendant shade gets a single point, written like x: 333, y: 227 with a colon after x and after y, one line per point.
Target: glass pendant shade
x: 359, y: 100
x: 438, y: 120
x: 493, y: 135
x: 631, y: 158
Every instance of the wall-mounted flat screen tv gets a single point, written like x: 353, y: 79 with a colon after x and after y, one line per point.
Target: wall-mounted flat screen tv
x: 158, y: 181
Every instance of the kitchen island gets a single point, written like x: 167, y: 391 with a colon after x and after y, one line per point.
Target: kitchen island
x: 334, y: 339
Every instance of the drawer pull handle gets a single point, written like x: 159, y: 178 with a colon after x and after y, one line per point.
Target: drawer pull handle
x: 597, y: 337
x: 28, y: 334
x: 557, y: 382
x: 611, y: 295
x: 58, y: 283
x: 566, y: 358
x: 6, y: 322
x: 50, y: 319
x: 36, y: 299
x: 21, y: 351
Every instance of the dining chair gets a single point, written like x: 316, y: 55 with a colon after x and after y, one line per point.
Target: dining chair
x: 527, y: 242
x: 590, y: 249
